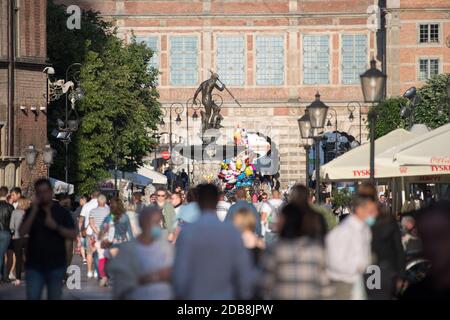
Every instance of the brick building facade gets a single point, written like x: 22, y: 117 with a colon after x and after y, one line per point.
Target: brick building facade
x: 275, y: 55
x: 22, y: 89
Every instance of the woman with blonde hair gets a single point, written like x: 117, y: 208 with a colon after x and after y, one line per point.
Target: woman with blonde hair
x: 244, y: 220
x: 19, y: 241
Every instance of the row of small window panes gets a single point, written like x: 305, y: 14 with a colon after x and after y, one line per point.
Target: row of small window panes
x: 230, y: 59
x: 428, y: 68
x: 429, y: 33
x: 270, y: 54
x: 269, y: 60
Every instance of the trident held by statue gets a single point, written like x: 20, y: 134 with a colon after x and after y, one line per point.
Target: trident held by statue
x: 225, y: 87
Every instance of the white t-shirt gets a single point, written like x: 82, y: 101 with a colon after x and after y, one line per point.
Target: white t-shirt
x: 86, y: 211
x: 152, y: 258
x: 222, y: 209
x: 270, y: 208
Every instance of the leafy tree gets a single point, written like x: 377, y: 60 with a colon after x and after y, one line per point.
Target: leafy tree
x: 119, y: 108
x: 65, y: 47
x: 431, y: 109
x: 119, y: 111
x: 388, y: 116
x: 341, y: 198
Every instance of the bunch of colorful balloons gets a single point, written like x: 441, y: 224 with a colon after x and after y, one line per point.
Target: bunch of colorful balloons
x: 237, y: 173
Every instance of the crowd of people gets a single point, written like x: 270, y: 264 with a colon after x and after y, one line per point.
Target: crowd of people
x: 198, y: 244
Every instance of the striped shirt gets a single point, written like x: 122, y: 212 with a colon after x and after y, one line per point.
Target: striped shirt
x: 296, y: 269
x: 99, y: 214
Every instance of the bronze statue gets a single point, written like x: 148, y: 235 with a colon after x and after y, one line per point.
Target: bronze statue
x: 211, y: 117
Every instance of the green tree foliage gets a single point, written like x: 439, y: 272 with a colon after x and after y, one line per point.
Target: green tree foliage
x: 119, y: 110
x: 389, y: 118
x: 65, y: 47
x: 431, y: 110
x: 341, y: 198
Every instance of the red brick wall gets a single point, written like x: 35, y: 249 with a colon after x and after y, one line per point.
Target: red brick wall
x: 30, y: 83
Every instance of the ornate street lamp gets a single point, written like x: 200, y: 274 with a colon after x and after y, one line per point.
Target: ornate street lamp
x: 304, y: 124
x: 351, y: 107
x: 314, y: 118
x: 317, y: 113
x: 31, y: 155
x: 448, y: 100
x: 373, y: 83
x: 48, y: 154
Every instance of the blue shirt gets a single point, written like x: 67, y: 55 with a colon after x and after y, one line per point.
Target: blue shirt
x: 244, y: 204
x: 211, y: 262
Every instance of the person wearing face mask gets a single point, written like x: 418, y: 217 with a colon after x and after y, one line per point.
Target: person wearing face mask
x: 349, y: 249
x: 142, y: 268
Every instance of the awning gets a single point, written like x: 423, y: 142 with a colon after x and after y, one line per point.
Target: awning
x: 133, y: 177
x: 156, y: 177
x: 60, y: 187
x: 431, y: 149
x: 354, y: 164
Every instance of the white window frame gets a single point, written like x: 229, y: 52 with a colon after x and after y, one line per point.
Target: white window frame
x: 302, y: 61
x: 341, y: 56
x: 428, y: 43
x: 255, y: 73
x: 169, y: 58
x: 216, y: 46
x: 440, y: 66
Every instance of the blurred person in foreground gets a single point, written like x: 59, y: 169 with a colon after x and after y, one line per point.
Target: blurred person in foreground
x: 142, y: 269
x: 387, y: 249
x: 241, y: 202
x: 433, y: 225
x: 349, y: 249
x: 245, y: 222
x: 313, y: 224
x: 66, y: 202
x: 295, y: 267
x: 48, y: 225
x: 211, y: 261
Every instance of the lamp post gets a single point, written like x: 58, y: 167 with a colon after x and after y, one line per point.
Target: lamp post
x: 351, y: 108
x: 179, y: 108
x: 373, y: 83
x: 329, y: 125
x: 448, y: 100
x: 314, y: 119
x: 31, y: 154
x: 304, y: 125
